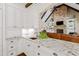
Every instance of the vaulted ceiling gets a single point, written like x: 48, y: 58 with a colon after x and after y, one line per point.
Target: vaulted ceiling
x: 73, y: 5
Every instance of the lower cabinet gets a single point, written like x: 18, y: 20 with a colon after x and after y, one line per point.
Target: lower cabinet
x: 35, y: 49
x: 69, y: 52
x: 12, y: 53
x: 11, y: 46
x: 14, y: 46
x: 30, y: 48
x: 42, y: 51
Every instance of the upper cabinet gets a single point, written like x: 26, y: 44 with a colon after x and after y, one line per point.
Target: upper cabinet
x: 14, y: 20
x: 14, y: 16
x: 10, y: 16
x: 19, y: 18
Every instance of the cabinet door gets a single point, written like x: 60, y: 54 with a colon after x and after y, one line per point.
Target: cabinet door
x: 26, y: 21
x: 19, y: 21
x: 0, y: 31
x: 29, y: 20
x: 10, y: 16
x: 42, y: 51
x: 19, y: 18
x: 10, y: 21
x: 30, y: 48
x: 12, y: 53
x: 13, y: 17
x: 20, y: 45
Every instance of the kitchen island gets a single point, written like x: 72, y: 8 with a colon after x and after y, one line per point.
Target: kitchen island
x: 51, y: 47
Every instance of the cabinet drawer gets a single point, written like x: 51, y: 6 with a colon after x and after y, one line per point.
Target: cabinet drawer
x: 69, y: 52
x: 12, y: 53
x: 43, y: 51
x: 11, y: 47
x: 31, y: 47
x: 31, y: 44
x: 11, y: 41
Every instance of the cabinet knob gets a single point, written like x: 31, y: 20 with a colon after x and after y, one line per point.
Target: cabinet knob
x: 38, y: 53
x: 38, y: 46
x: 11, y: 41
x: 71, y: 53
x: 28, y: 45
x: 11, y: 53
x: 55, y: 54
x: 11, y: 46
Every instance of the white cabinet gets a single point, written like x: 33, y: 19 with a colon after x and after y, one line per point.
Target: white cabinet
x: 10, y: 16
x: 43, y: 51
x: 14, y: 17
x: 20, y: 45
x: 25, y: 20
x: 14, y: 21
x: 10, y: 21
x: 35, y: 49
x: 11, y: 46
x: 14, y: 46
x: 0, y: 31
x: 30, y: 48
x: 12, y: 53
x: 19, y: 17
x: 28, y: 22
x: 12, y: 32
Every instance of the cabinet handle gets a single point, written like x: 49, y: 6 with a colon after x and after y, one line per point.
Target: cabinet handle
x: 11, y: 53
x: 71, y: 53
x: 38, y: 46
x: 28, y: 45
x: 11, y: 46
x: 55, y: 54
x: 38, y: 53
x: 11, y: 41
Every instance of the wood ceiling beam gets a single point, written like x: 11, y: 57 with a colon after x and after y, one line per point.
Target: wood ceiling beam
x: 28, y: 4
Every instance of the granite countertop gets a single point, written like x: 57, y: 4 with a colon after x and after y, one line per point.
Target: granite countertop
x: 59, y: 46
x: 65, y: 47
